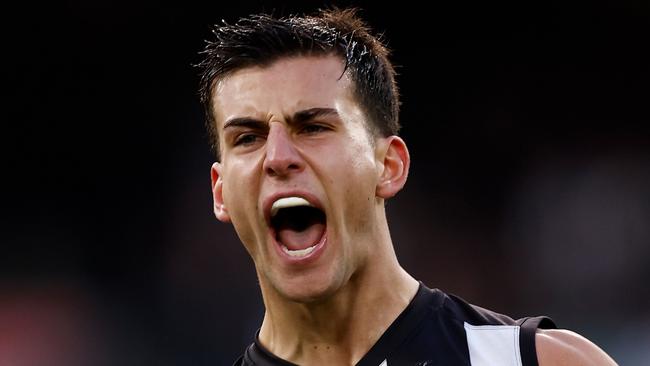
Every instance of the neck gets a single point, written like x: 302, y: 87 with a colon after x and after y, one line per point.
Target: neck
x: 342, y: 328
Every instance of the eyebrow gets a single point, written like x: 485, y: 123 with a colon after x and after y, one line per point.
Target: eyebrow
x: 297, y: 118
x: 244, y: 122
x: 311, y: 113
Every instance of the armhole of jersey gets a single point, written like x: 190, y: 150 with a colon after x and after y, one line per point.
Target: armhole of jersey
x: 506, y: 345
x: 528, y: 329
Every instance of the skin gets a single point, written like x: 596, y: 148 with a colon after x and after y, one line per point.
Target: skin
x: 330, y: 311
x: 560, y: 347
x: 332, y: 308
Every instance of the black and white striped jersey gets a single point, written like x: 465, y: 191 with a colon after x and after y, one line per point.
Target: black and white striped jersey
x: 439, y: 329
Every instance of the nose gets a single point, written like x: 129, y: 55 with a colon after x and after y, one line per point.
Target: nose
x: 282, y: 158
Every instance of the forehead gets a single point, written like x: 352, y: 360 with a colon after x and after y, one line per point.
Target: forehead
x: 282, y: 88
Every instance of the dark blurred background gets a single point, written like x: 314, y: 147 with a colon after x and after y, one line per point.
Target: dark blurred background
x: 529, y: 192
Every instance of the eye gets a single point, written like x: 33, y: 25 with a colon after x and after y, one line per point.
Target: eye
x: 313, y: 128
x: 246, y: 139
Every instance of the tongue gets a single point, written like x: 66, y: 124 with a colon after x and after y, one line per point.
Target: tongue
x: 295, y: 240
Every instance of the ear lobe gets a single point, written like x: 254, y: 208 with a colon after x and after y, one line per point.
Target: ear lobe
x: 396, y: 162
x: 219, y: 206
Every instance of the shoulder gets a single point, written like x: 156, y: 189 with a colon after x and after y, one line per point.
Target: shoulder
x: 557, y: 347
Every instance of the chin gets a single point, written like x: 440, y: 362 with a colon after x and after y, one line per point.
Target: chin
x: 309, y: 289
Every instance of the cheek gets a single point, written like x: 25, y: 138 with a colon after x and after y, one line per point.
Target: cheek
x: 240, y: 198
x: 358, y: 184
x: 350, y: 170
x: 364, y: 167
x: 243, y: 219
x: 239, y: 185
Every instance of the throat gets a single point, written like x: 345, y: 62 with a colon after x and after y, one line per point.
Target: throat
x: 319, y: 334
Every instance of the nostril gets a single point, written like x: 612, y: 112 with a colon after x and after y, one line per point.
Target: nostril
x: 281, y: 169
x: 271, y: 172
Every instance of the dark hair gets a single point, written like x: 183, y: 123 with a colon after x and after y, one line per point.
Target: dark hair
x: 261, y: 39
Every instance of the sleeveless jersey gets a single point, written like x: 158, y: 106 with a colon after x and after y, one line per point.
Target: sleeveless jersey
x: 439, y: 329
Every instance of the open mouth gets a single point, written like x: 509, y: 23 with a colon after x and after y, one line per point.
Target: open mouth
x: 298, y: 225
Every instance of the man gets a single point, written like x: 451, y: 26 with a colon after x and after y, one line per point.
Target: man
x: 303, y: 112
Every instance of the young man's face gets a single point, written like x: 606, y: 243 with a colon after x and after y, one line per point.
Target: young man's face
x: 298, y: 173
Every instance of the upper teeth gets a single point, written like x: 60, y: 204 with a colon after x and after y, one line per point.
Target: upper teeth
x: 288, y: 202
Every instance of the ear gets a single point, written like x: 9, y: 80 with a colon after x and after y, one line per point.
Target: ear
x: 394, y: 162
x: 219, y: 207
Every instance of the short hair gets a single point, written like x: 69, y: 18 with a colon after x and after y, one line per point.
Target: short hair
x: 260, y: 40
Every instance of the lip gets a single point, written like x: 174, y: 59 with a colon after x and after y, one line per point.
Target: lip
x: 320, y: 245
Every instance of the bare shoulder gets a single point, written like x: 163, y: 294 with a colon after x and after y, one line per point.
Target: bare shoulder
x: 558, y: 347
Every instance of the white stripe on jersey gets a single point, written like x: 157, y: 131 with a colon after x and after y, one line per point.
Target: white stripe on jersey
x: 491, y: 345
